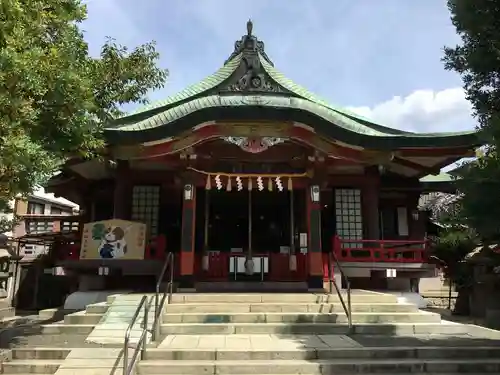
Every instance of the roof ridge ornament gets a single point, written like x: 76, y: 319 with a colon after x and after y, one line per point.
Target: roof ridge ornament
x: 249, y: 27
x: 249, y: 44
x: 251, y: 76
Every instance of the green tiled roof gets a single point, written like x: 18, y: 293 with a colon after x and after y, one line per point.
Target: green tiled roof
x: 219, y: 96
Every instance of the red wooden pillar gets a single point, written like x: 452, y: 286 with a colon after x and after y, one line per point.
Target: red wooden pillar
x: 315, y: 277
x: 186, y: 278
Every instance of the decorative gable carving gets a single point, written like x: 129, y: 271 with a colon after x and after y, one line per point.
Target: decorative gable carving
x: 250, y: 76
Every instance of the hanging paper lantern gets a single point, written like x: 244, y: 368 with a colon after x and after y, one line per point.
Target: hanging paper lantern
x: 228, y: 187
x: 270, y: 184
x: 208, y: 185
x: 239, y: 184
x: 260, y: 183
x: 279, y: 184
x: 218, y: 182
x: 290, y: 184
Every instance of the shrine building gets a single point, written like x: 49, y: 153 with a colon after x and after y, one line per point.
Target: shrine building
x: 249, y: 178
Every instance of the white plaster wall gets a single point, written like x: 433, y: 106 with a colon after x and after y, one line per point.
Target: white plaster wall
x: 357, y: 272
x: 50, y: 198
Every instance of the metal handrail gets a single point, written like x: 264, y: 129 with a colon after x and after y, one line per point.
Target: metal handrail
x: 167, y: 295
x: 141, y: 344
x: 332, y: 257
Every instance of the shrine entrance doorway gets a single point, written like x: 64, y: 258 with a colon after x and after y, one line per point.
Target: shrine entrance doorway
x: 248, y: 235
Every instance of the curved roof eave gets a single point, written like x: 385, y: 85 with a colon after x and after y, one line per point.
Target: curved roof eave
x: 302, y: 92
x: 326, y: 121
x: 194, y: 91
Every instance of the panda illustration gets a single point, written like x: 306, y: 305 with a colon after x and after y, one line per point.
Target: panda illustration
x: 113, y: 245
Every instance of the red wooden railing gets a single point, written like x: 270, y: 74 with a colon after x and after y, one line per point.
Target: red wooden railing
x: 156, y: 248
x: 394, y: 251
x: 41, y: 224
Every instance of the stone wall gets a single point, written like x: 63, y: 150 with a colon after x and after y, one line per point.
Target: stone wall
x: 440, y: 302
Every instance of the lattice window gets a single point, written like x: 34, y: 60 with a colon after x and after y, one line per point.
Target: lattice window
x: 145, y: 207
x: 36, y: 208
x: 348, y: 216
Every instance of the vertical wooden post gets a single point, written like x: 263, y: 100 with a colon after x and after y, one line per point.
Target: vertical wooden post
x: 123, y: 192
x: 416, y: 225
x: 313, y: 196
x: 370, y: 201
x: 186, y: 279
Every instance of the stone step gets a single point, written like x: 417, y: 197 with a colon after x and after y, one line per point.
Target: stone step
x: 357, y: 297
x: 312, y: 328
x: 279, y: 307
x: 97, y: 308
x: 232, y: 354
x: 40, y: 353
x: 31, y: 366
x: 83, y: 318
x: 285, y: 297
x: 317, y: 367
x: 58, y: 328
x: 7, y: 312
x: 419, y: 317
x: 115, y: 316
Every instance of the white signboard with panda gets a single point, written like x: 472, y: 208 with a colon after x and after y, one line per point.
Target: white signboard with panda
x: 113, y: 239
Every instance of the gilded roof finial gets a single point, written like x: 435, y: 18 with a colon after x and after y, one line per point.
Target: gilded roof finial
x: 249, y: 27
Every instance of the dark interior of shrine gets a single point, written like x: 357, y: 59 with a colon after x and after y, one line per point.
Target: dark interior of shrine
x: 240, y: 219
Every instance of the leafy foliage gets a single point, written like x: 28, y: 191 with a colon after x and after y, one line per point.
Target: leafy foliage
x: 477, y: 60
x: 450, y: 248
x: 54, y: 96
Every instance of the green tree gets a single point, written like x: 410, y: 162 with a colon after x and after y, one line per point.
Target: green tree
x: 54, y: 96
x: 477, y: 60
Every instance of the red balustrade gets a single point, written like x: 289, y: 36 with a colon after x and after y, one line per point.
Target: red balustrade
x: 278, y: 266
x: 65, y: 251
x: 72, y: 251
x: 156, y: 248
x: 218, y: 267
x: 394, y: 251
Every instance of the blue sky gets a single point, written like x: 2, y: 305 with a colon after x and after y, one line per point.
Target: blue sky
x: 379, y: 58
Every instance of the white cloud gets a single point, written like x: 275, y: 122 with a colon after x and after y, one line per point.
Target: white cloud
x: 423, y: 111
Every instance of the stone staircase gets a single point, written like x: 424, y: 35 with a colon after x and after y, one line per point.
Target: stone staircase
x: 233, y: 334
